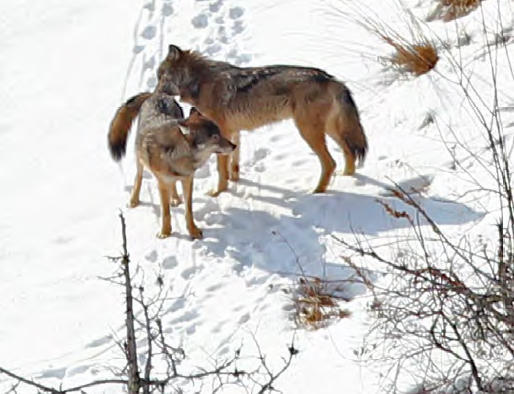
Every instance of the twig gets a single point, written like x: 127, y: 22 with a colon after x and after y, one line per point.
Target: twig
x: 131, y: 348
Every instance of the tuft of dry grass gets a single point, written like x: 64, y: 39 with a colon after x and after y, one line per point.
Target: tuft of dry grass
x: 416, y: 59
x: 448, y: 10
x: 316, y: 306
x: 414, y: 53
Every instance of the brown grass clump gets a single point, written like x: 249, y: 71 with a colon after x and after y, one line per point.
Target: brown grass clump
x: 416, y: 59
x: 448, y: 10
x: 414, y: 53
x: 316, y: 307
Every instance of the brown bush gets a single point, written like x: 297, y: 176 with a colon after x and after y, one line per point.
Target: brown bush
x: 417, y: 59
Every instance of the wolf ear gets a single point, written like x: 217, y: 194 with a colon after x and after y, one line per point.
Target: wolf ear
x: 174, y: 52
x: 194, y: 111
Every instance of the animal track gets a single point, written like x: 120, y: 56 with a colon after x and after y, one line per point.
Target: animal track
x: 77, y: 370
x: 212, y: 49
x: 224, y: 350
x: 236, y: 12
x: 178, y: 304
x: 62, y: 240
x: 188, y: 316
x: 167, y: 9
x: 243, y: 319
x: 189, y: 272
x: 260, y: 167
x: 200, y: 21
x: 152, y: 256
x: 149, y: 32
x: 260, y: 153
x: 99, y: 342
x: 238, y: 28
x: 58, y: 373
x: 169, y: 262
x: 215, y: 7
x: 214, y: 287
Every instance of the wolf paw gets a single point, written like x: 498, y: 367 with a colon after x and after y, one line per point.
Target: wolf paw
x: 133, y: 203
x: 348, y: 171
x: 215, y: 192
x: 319, y: 190
x: 163, y: 234
x: 196, y: 233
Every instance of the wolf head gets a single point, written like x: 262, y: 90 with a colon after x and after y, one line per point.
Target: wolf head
x: 204, y: 136
x: 173, y: 72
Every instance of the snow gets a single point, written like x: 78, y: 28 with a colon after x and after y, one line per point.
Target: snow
x: 66, y: 67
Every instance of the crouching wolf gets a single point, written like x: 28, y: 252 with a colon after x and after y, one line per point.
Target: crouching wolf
x: 171, y: 147
x: 239, y: 98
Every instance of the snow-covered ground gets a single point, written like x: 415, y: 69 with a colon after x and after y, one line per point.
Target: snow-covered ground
x: 66, y: 67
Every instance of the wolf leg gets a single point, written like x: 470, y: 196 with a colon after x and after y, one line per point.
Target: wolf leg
x: 234, y: 158
x: 346, y: 129
x: 165, y: 208
x: 315, y: 137
x: 187, y: 185
x: 175, y: 198
x: 222, y: 176
x: 136, y: 189
x: 349, y: 157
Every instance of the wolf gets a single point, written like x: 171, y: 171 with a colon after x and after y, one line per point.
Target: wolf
x: 244, y: 98
x: 171, y: 147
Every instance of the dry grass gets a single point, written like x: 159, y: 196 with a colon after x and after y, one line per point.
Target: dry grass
x: 448, y: 10
x: 416, y: 59
x: 316, y: 305
x: 414, y: 53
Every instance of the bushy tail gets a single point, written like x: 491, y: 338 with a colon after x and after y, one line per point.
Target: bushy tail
x: 353, y: 134
x: 121, y: 123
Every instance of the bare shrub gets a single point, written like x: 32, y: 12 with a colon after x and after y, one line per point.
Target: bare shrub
x: 444, y: 306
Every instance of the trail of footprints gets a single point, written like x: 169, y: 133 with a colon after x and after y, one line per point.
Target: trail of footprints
x: 216, y: 23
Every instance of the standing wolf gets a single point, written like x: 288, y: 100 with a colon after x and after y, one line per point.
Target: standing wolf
x: 171, y: 147
x: 245, y: 98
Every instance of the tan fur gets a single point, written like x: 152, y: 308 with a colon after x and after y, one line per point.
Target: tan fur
x: 246, y: 98
x: 121, y: 123
x: 169, y: 154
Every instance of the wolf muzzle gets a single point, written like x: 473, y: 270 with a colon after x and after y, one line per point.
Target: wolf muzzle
x: 226, y: 149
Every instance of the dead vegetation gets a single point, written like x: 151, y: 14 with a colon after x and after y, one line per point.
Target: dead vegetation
x: 448, y: 10
x: 317, y: 303
x: 315, y: 300
x: 414, y: 53
x: 416, y: 59
x: 451, y: 313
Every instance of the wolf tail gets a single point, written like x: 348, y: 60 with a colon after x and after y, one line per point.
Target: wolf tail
x: 350, y: 130
x: 121, y: 123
